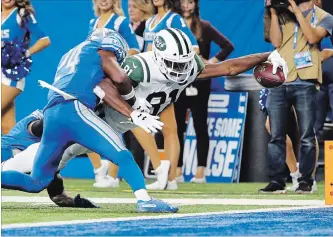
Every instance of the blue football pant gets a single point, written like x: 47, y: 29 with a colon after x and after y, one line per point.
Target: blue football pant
x: 64, y: 124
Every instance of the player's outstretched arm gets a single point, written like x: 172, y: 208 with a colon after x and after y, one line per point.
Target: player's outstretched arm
x: 233, y: 67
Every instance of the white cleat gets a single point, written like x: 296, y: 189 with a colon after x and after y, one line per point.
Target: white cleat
x: 154, y: 186
x: 100, y: 174
x: 172, y: 185
x: 107, y: 182
x: 102, y: 183
x: 180, y: 179
x: 113, y: 183
x: 198, y: 180
x: 162, y: 173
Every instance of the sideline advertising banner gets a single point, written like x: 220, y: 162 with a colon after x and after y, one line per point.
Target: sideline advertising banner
x: 226, y: 121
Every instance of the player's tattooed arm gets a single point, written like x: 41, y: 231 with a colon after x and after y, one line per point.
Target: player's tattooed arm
x: 232, y: 67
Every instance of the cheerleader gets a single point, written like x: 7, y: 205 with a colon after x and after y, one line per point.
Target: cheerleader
x: 18, y: 25
x: 109, y: 14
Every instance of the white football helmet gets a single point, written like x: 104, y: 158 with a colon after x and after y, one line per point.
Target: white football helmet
x: 173, y: 52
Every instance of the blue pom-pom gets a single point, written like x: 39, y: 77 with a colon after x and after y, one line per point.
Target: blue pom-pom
x: 14, y: 64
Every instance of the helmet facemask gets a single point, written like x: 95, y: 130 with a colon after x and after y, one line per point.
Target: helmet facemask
x: 178, y: 72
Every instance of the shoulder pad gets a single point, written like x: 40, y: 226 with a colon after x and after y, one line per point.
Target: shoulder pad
x: 137, y: 68
x: 133, y: 68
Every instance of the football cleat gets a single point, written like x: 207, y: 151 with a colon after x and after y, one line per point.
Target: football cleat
x: 155, y: 206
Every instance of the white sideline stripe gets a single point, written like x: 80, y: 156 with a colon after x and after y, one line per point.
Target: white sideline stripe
x: 182, y: 201
x: 165, y: 216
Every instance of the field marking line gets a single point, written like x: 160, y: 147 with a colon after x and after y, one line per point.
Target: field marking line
x: 181, y: 201
x: 165, y: 216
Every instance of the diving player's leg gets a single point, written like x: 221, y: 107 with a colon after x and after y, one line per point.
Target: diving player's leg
x: 71, y: 152
x: 171, y: 142
x: 23, y: 161
x: 101, y: 138
x: 62, y: 198
x: 54, y: 141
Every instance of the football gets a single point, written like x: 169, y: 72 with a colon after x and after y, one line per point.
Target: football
x: 264, y: 76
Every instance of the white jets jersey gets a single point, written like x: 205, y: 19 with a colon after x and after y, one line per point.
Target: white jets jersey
x: 151, y: 84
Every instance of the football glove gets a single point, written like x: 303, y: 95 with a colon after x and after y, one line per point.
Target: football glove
x: 142, y: 105
x: 146, y: 121
x: 277, y: 61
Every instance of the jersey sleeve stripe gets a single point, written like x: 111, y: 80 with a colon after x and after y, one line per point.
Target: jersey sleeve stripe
x: 177, y: 41
x: 146, y: 67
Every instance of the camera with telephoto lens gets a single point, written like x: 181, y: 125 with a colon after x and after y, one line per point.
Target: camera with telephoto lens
x: 277, y: 3
x: 281, y: 3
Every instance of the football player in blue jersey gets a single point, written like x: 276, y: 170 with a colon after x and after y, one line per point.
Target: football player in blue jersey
x: 69, y: 117
x: 18, y: 26
x: 25, y: 133
x: 18, y: 149
x: 109, y: 14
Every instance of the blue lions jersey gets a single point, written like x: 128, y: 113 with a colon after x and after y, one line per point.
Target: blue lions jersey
x: 80, y: 70
x: 170, y: 20
x: 122, y: 26
x: 11, y: 27
x: 19, y: 137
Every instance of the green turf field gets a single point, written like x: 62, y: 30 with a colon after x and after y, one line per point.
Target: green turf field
x: 32, y: 212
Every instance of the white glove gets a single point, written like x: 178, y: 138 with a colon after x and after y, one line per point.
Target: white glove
x: 142, y: 105
x: 277, y: 61
x: 146, y: 121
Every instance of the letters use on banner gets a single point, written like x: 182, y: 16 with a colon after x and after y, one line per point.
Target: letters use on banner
x: 226, y: 122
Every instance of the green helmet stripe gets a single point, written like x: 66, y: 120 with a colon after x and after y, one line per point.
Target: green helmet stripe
x: 180, y: 49
x: 186, y: 44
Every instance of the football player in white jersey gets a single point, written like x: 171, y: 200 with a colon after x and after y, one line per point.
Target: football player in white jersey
x: 160, y: 75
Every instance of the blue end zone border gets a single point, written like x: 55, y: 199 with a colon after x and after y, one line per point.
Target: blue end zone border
x: 309, y: 222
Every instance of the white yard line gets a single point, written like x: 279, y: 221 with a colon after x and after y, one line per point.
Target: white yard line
x: 165, y: 216
x: 181, y: 201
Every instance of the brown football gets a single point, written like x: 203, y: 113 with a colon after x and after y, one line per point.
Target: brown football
x: 264, y: 76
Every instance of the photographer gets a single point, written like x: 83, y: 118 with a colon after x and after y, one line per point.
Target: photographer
x: 296, y: 29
